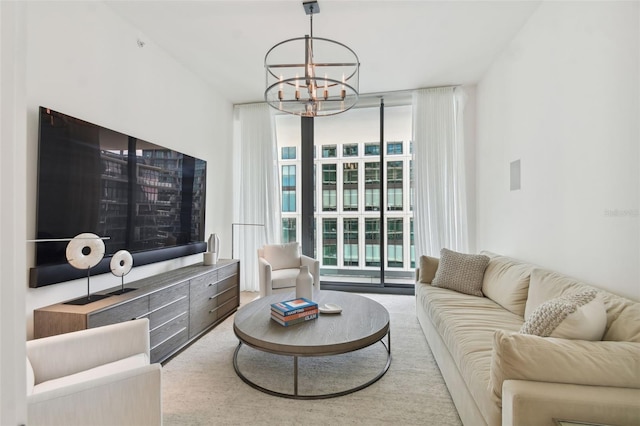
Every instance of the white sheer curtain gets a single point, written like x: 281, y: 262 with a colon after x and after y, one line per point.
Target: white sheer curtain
x: 256, y: 188
x: 440, y: 209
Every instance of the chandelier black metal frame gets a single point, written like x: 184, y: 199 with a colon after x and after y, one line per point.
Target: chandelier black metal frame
x: 325, y: 83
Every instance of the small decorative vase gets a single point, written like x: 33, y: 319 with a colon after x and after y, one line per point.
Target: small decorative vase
x: 304, y: 283
x: 213, y: 246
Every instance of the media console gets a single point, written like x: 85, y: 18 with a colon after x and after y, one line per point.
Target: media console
x: 181, y: 306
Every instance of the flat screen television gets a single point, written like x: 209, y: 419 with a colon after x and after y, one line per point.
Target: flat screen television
x: 142, y: 197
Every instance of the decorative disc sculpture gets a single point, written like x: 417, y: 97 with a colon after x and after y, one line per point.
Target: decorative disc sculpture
x: 121, y: 264
x: 85, y: 251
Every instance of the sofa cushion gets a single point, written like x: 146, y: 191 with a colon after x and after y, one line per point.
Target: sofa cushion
x: 461, y: 272
x: 130, y: 363
x: 623, y: 315
x: 284, y: 278
x: 282, y: 256
x: 506, y: 282
x: 549, y: 359
x: 581, y: 316
x: 428, y: 268
x: 466, y: 325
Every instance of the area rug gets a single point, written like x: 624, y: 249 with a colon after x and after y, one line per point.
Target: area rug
x: 200, y: 386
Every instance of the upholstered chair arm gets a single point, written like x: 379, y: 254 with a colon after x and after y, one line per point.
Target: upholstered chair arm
x: 264, y: 275
x: 314, y: 269
x: 132, y: 397
x: 65, y: 354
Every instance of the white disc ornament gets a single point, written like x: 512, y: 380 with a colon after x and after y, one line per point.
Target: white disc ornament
x: 121, y: 263
x: 85, y: 251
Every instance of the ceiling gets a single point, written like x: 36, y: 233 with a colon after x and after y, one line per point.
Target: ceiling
x: 401, y: 44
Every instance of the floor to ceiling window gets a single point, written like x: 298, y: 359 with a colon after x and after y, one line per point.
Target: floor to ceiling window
x: 349, y: 183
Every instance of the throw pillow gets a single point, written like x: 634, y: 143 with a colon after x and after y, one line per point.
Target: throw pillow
x: 282, y: 256
x: 581, y: 316
x: 428, y: 268
x: 525, y: 357
x: 461, y: 272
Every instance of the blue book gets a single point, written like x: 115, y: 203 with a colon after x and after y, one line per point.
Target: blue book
x: 293, y: 306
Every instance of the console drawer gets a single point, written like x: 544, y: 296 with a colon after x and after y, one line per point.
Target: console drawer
x: 227, y: 271
x: 202, y: 317
x: 168, y: 312
x: 125, y: 312
x: 204, y: 286
x: 172, y: 342
x: 164, y: 331
x: 168, y: 295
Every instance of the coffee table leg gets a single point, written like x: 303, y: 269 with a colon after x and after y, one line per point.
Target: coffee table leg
x: 295, y: 375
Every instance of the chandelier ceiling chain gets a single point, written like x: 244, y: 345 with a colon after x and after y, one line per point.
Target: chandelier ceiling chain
x: 326, y: 83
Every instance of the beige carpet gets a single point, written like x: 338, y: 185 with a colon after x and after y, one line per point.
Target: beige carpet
x: 200, y: 386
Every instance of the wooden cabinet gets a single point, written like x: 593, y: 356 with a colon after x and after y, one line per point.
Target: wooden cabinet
x: 181, y: 305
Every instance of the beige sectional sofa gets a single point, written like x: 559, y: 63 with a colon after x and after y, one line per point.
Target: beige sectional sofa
x: 497, y: 375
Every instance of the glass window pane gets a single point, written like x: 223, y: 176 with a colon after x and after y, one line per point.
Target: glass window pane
x: 395, y: 242
x: 350, y: 246
x: 288, y: 230
x: 372, y: 148
x: 350, y: 150
x: 288, y: 152
x: 329, y: 242
x: 329, y: 200
x: 328, y: 151
x: 288, y: 188
x: 372, y: 173
x: 328, y: 174
x: 394, y: 148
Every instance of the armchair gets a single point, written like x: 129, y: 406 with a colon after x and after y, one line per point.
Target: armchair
x: 98, y: 376
x: 279, y: 265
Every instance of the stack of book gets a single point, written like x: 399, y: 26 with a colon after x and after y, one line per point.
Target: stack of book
x: 294, y: 311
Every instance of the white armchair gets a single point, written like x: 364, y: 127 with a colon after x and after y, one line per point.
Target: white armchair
x: 98, y: 376
x: 279, y: 265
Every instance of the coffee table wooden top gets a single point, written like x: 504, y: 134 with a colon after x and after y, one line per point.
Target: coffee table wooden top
x: 361, y: 323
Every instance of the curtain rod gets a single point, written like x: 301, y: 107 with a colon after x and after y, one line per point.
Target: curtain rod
x: 375, y: 94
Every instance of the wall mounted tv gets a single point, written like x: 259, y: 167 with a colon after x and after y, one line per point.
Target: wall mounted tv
x: 146, y: 198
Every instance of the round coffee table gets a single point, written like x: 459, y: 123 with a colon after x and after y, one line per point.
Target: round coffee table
x: 361, y: 323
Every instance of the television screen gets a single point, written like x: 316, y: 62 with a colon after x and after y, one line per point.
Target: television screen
x: 141, y: 197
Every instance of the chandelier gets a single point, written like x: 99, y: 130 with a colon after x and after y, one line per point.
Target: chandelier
x: 324, y: 83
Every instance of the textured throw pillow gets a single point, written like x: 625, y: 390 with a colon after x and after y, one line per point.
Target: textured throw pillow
x: 581, y: 316
x: 461, y: 272
x: 428, y: 268
x: 282, y: 256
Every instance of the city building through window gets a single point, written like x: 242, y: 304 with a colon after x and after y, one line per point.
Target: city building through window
x: 348, y: 237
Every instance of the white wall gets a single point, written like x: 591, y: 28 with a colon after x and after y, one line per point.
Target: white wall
x: 12, y: 218
x: 563, y: 98
x: 85, y: 61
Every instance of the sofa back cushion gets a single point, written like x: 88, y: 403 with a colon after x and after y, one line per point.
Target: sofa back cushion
x: 506, y: 282
x: 282, y: 256
x: 428, y: 268
x: 623, y: 315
